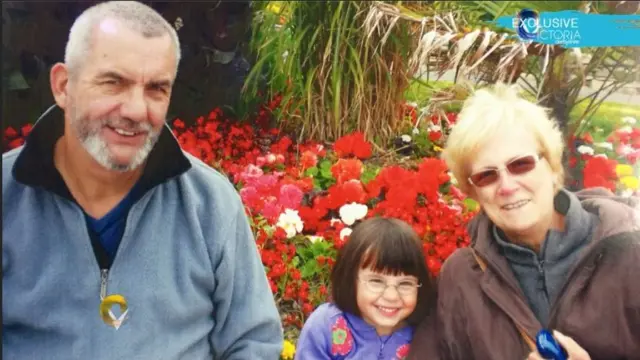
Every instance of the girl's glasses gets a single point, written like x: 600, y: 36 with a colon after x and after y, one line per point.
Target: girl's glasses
x: 519, y: 166
x: 378, y: 286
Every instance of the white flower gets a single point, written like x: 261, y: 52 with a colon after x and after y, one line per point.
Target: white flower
x: 625, y: 150
x: 285, y: 54
x: 290, y: 222
x: 453, y: 178
x: 434, y: 128
x: 349, y: 213
x: 625, y: 129
x: 345, y: 232
x: 406, y: 138
x: 415, y: 131
x: 413, y: 104
x: 335, y: 221
x: 627, y: 193
x: 314, y: 238
x: 604, y: 145
x: 629, y: 120
x: 271, y: 158
x: 584, y: 149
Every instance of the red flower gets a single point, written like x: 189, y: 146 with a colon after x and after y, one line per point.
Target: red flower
x: 353, y: 144
x: 308, y: 160
x: 346, y: 169
x: 26, y: 129
x: 600, y: 172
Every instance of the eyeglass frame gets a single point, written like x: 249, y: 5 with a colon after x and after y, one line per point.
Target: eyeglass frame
x: 367, y: 282
x: 537, y: 157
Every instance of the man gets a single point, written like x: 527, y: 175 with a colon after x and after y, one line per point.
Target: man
x: 117, y: 244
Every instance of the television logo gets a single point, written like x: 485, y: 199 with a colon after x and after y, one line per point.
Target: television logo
x: 527, y: 24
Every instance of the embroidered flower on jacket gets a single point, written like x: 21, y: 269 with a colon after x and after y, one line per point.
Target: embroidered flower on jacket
x: 341, y: 340
x: 402, y: 352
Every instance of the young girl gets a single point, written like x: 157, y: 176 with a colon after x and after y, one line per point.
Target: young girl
x: 381, y: 288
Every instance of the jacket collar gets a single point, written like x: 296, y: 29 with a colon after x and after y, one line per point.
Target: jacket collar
x: 35, y: 167
x: 616, y: 216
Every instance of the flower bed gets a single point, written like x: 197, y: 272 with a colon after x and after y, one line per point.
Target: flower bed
x: 303, y: 199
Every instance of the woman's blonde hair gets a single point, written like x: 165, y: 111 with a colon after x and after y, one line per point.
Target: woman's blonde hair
x: 483, y: 114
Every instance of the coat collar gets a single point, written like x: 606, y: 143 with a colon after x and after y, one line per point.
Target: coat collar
x: 35, y: 167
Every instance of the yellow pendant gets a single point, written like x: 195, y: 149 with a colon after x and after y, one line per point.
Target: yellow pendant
x: 107, y: 315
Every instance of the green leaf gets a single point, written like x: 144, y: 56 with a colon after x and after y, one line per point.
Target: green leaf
x: 326, y: 173
x: 309, y: 269
x: 313, y: 172
x: 325, y: 164
x: 470, y: 204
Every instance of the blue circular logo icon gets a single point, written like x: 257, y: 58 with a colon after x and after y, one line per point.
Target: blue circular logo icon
x: 528, y: 25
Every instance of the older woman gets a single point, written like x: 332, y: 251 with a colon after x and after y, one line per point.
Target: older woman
x: 541, y: 257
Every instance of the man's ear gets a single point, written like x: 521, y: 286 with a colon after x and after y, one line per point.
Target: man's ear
x: 59, y: 79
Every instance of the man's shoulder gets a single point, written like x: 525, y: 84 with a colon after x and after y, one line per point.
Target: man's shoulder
x: 205, y: 181
x: 8, y: 161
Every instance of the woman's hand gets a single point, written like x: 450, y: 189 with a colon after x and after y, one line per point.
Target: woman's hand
x: 574, y: 350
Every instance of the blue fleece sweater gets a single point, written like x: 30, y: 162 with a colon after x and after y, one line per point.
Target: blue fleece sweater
x: 332, y: 334
x: 187, y: 265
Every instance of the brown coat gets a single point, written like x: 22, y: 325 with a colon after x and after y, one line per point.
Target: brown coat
x: 599, y: 306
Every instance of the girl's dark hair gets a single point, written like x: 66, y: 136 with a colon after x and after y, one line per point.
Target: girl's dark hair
x: 388, y: 246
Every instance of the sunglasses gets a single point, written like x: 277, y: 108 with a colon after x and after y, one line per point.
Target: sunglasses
x: 519, y: 166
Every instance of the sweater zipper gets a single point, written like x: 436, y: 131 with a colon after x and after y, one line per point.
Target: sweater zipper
x: 577, y: 269
x: 104, y: 274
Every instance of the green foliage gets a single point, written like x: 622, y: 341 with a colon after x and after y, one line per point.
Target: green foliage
x: 369, y: 173
x: 333, y: 76
x: 308, y: 257
x: 322, y: 176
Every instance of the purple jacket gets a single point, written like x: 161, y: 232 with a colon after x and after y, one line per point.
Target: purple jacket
x: 330, y: 333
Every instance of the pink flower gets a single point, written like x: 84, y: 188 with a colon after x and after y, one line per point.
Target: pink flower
x: 249, y: 195
x: 266, y: 182
x: 290, y: 196
x: 271, y: 209
x: 251, y: 174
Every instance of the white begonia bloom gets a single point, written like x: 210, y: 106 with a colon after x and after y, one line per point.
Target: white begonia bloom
x: 584, y: 149
x: 406, y: 138
x: 627, y: 193
x: 349, y: 213
x: 625, y: 150
x: 453, y: 178
x: 345, y: 232
x: 629, y: 120
x: 625, y: 129
x: 271, y: 158
x: 434, y: 128
x: 415, y: 131
x: 290, y: 222
x: 315, y: 239
x: 604, y: 145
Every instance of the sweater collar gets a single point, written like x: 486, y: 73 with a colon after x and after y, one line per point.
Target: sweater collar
x: 35, y: 167
x: 557, y: 244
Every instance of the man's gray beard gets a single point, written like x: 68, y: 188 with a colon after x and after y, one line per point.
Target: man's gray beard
x: 97, y: 147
